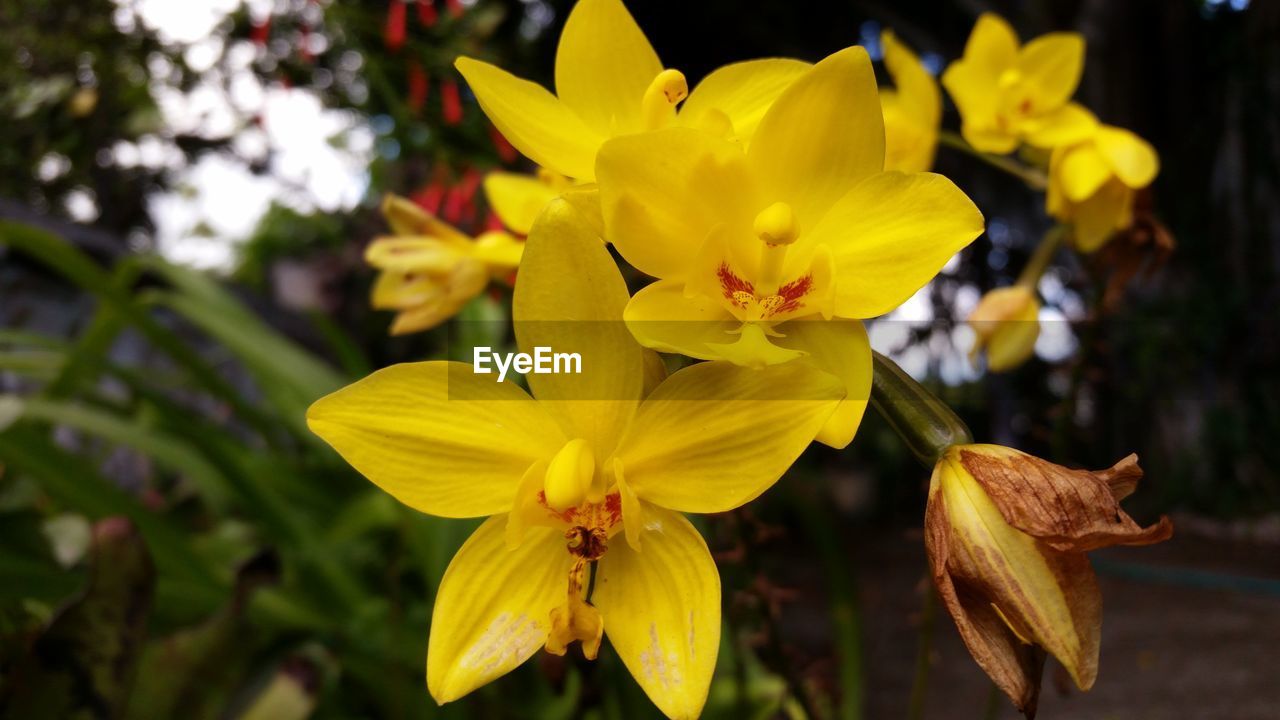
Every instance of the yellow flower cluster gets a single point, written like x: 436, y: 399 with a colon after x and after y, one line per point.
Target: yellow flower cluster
x: 776, y: 205
x: 1009, y: 94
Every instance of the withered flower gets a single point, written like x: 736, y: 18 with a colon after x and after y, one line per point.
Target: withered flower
x: 1006, y: 534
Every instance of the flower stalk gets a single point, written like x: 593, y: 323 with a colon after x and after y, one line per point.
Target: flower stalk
x: 1033, y: 178
x: 1029, y: 278
x: 925, y: 423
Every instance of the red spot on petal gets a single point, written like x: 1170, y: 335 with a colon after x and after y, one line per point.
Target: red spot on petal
x: 792, y: 294
x: 731, y: 285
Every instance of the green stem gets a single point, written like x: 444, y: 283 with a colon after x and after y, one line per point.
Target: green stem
x: 1035, y: 179
x: 1048, y: 247
x: 924, y: 422
x: 924, y: 647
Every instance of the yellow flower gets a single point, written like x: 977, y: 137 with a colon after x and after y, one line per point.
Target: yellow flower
x: 912, y: 112
x: 518, y: 199
x: 592, y: 475
x: 754, y: 248
x: 1005, y: 326
x: 610, y: 82
x: 430, y: 269
x: 1092, y: 183
x: 1007, y: 534
x: 1007, y: 93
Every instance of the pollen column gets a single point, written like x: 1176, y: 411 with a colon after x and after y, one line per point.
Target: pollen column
x: 658, y: 106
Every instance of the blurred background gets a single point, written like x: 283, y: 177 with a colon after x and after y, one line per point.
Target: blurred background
x: 185, y: 193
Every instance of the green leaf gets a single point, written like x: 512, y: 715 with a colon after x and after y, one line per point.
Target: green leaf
x: 74, y: 482
x: 83, y: 665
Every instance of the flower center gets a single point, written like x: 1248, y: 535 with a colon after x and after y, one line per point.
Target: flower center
x: 658, y: 106
x: 570, y: 476
x: 768, y: 296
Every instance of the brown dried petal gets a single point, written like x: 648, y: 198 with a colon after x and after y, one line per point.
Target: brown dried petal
x: 1075, y: 510
x: 1015, y: 667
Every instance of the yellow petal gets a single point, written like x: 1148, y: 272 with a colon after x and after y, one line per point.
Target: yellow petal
x: 1081, y: 171
x: 917, y: 91
x: 498, y: 250
x: 407, y: 217
x: 908, y: 145
x: 569, y: 297
x: 1068, y: 124
x: 662, y: 317
x: 989, y: 139
x: 517, y: 199
x: 1013, y: 341
x: 752, y: 348
x: 493, y: 610
x: 715, y: 435
x: 824, y: 133
x: 841, y: 348
x: 1014, y: 666
x: 1133, y: 159
x: 1050, y: 66
x: 742, y: 91
x: 423, y: 317
x: 992, y: 46
x: 438, y: 437
x: 973, y: 83
x: 1046, y: 596
x: 890, y: 235
x: 415, y: 254
x: 912, y: 111
x: 663, y: 192
x: 604, y: 64
x: 535, y: 122
x: 661, y: 610
x: 401, y: 291
x: 1097, y: 218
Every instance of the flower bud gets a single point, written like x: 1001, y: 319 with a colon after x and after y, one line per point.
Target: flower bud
x: 1006, y: 534
x: 1005, y: 326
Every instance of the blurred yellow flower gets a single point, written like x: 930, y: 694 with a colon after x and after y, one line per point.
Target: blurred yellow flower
x: 610, y: 82
x: 912, y: 111
x: 429, y: 269
x: 1005, y: 327
x: 754, y: 248
x: 578, y: 479
x: 1092, y: 183
x: 1007, y: 93
x: 517, y: 199
x: 1006, y: 534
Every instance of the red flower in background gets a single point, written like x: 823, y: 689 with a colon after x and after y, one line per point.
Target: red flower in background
x: 427, y: 13
x: 393, y: 36
x: 450, y: 102
x: 419, y: 84
x: 260, y: 31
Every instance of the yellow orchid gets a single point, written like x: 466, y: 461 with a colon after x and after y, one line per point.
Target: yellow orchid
x: 1008, y: 93
x: 430, y: 269
x: 912, y: 111
x: 1006, y: 534
x: 589, y: 475
x: 610, y: 82
x: 1005, y: 326
x: 755, y: 247
x: 517, y: 199
x: 1092, y: 183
